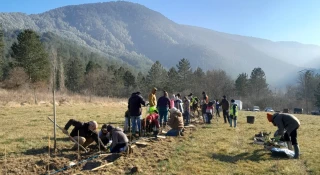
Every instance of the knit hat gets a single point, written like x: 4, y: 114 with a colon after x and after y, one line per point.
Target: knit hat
x: 269, y: 117
x: 109, y: 128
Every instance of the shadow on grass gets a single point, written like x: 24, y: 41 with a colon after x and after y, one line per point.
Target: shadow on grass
x: 257, y: 155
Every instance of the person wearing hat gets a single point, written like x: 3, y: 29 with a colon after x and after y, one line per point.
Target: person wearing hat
x: 152, y: 99
x: 119, y: 139
x: 225, y: 109
x: 233, y: 113
x: 175, y: 122
x: 287, y: 125
x: 86, y: 131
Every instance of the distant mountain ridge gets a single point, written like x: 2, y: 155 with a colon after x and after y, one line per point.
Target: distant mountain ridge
x: 138, y: 36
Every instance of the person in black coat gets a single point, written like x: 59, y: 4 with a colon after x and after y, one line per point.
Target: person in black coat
x: 135, y: 110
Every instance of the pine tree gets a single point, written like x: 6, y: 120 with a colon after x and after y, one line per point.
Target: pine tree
x: 241, y: 85
x: 258, y: 83
x: 173, y: 76
x: 157, y: 77
x: 74, y: 75
x: 30, y: 54
x: 1, y: 53
x: 317, y: 96
x: 184, y: 71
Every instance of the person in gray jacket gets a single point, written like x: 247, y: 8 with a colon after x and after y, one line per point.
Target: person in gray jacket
x: 288, y: 124
x: 119, y: 139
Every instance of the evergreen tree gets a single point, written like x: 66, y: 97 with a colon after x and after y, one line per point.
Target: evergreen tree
x: 157, y: 76
x: 173, y: 76
x: 241, y: 85
x: 184, y: 71
x: 30, y: 54
x: 1, y: 53
x: 92, y: 66
x: 317, y: 95
x: 74, y: 75
x: 258, y: 83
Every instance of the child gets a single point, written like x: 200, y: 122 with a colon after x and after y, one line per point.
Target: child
x: 209, y: 111
x: 233, y: 113
x: 151, y: 123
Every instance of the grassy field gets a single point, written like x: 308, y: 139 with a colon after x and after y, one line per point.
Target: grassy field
x: 209, y: 149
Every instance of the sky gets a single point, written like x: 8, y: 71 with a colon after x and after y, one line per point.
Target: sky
x: 276, y: 20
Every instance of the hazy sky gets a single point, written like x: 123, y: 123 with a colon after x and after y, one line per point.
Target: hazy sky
x: 277, y: 20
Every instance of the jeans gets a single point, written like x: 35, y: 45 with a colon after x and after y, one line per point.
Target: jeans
x: 126, y: 124
x: 234, y: 118
x: 135, y: 121
x: 173, y: 132
x: 119, y: 148
x: 187, y: 117
x: 163, y: 113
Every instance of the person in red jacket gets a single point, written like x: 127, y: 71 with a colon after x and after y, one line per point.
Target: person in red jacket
x: 151, y: 123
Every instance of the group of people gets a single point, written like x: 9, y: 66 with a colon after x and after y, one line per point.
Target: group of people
x: 86, y: 132
x: 179, y: 112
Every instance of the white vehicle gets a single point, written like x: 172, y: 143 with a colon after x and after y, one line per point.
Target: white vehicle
x: 239, y: 103
x: 255, y: 108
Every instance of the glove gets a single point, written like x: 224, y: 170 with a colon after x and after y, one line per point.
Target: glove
x: 65, y: 131
x: 277, y: 139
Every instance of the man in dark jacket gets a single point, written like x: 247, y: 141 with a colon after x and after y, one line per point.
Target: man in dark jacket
x: 119, y: 139
x: 225, y: 109
x: 86, y: 131
x: 135, y: 110
x: 287, y: 125
x: 163, y: 106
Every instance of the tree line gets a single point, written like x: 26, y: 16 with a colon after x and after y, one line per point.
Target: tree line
x: 31, y: 61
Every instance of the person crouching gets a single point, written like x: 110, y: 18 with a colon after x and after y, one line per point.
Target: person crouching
x: 84, y: 133
x: 119, y: 139
x: 289, y: 123
x: 175, y: 122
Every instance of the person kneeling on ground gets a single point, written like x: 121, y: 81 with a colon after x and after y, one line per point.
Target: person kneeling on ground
x: 119, y: 140
x: 86, y: 131
x: 151, y: 123
x: 104, y: 135
x: 175, y: 122
x: 289, y: 123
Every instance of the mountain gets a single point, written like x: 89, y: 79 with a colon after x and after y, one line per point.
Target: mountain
x: 140, y: 36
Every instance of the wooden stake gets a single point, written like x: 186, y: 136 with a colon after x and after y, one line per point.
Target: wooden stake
x: 102, y: 166
x: 5, y: 158
x: 49, y: 154
x: 99, y: 143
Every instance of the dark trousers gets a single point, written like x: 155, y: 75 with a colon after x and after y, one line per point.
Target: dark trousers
x: 217, y: 112
x: 225, y: 116
x: 292, y: 137
x: 117, y: 148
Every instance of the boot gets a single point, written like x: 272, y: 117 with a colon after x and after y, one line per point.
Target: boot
x: 289, y: 145
x: 296, y: 151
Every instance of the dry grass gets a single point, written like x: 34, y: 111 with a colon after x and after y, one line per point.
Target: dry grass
x: 211, y: 149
